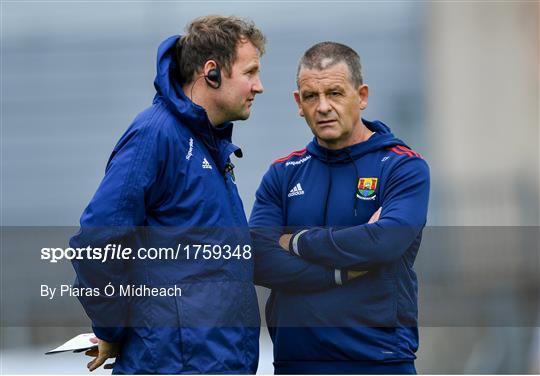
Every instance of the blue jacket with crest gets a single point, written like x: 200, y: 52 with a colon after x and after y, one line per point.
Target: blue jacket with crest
x: 319, y: 321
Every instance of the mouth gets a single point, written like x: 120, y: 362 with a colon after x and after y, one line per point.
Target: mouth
x: 325, y: 122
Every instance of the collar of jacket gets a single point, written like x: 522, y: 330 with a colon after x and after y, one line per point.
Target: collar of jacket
x: 382, y: 138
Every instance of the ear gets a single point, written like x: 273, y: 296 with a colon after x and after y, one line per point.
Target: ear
x: 296, y: 95
x: 363, y: 94
x: 208, y: 66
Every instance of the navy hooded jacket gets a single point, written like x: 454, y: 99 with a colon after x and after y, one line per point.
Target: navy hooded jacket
x: 169, y: 181
x: 317, y: 319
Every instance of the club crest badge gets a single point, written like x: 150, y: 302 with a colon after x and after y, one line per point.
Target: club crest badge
x: 366, y: 188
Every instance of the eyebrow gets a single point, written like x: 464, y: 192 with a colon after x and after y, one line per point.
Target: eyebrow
x: 307, y: 92
x: 251, y: 67
x: 336, y: 88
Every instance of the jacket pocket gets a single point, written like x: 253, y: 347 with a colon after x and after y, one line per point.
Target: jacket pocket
x: 218, y: 331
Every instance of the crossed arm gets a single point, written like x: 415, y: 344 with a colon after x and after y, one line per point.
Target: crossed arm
x: 280, y: 270
x: 317, y: 253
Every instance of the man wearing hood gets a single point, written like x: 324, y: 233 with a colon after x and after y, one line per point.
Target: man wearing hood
x: 336, y: 228
x: 171, y: 175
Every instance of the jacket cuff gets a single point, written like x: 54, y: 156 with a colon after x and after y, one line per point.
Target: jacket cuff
x: 109, y: 334
x: 293, y: 242
x: 314, y: 242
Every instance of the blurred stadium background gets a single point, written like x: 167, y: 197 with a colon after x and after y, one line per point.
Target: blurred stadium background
x: 459, y: 81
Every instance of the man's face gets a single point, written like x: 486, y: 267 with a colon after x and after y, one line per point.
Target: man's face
x: 239, y: 89
x: 331, y: 105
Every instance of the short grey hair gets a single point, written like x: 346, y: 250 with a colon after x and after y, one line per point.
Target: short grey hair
x: 326, y: 54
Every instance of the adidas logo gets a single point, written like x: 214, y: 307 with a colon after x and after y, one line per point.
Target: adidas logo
x: 296, y: 191
x: 205, y: 164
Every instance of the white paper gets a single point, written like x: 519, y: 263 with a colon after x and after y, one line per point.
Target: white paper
x: 78, y: 343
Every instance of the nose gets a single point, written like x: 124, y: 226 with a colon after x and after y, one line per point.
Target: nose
x: 257, y: 86
x: 323, y: 106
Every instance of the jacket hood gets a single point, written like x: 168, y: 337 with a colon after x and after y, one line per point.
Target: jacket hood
x: 383, y: 138
x: 217, y: 139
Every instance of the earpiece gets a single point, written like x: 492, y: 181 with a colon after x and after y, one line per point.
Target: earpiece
x: 213, y: 78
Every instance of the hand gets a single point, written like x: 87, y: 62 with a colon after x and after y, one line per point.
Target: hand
x: 353, y: 274
x: 284, y: 241
x: 375, y: 217
x: 104, y: 351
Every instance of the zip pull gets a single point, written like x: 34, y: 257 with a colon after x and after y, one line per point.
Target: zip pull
x: 229, y: 167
